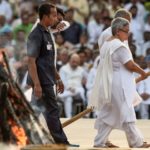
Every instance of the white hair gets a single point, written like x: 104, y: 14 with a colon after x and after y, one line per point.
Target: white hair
x: 122, y: 13
x: 118, y: 23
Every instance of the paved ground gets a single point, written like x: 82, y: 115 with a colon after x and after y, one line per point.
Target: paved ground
x: 82, y: 132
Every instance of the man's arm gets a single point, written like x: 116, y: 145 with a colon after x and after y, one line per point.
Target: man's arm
x: 34, y: 76
x: 33, y: 51
x: 63, y: 25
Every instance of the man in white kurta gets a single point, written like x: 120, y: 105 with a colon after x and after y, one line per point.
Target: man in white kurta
x: 116, y: 105
x: 72, y: 76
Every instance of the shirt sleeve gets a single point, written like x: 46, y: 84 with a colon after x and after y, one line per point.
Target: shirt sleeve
x: 67, y: 25
x: 124, y: 55
x: 34, y: 44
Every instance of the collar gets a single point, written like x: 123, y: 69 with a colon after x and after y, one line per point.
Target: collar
x: 42, y: 28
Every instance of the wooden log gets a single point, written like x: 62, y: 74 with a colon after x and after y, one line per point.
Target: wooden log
x: 76, y: 117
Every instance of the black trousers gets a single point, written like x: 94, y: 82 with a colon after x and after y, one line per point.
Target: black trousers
x: 49, y: 107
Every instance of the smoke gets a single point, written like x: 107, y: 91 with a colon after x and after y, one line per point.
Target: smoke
x: 8, y: 147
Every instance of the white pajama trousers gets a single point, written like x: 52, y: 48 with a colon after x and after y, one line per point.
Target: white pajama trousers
x: 67, y: 98
x: 133, y: 135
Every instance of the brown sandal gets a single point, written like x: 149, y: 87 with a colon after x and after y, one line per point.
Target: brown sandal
x: 110, y: 145
x: 145, y: 145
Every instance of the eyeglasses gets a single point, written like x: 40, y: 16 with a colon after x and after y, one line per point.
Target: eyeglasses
x: 124, y: 31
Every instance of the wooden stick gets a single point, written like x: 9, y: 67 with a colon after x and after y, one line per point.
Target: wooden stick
x: 76, y: 117
x: 88, y: 110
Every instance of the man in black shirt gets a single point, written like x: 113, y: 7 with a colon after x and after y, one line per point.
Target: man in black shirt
x: 42, y: 73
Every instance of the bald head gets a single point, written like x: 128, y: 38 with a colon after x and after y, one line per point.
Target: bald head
x: 123, y: 14
x: 74, y: 61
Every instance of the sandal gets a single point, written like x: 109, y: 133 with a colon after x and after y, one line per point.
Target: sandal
x: 145, y: 145
x: 110, y: 145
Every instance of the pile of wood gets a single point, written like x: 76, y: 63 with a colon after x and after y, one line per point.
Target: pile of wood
x: 18, y: 123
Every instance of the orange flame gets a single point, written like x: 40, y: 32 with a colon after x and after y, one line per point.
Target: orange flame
x: 19, y: 133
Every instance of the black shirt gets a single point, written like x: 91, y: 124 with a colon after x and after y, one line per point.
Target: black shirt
x: 72, y: 34
x: 40, y: 46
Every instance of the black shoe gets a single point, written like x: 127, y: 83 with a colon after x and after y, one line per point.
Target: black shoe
x: 73, y: 145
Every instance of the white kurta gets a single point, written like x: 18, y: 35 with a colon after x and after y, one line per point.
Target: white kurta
x: 123, y: 90
x: 105, y: 35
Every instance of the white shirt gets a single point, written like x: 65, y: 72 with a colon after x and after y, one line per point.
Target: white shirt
x: 144, y: 87
x: 94, y: 30
x: 105, y: 35
x: 141, y: 10
x: 147, y: 27
x: 71, y: 78
x: 5, y: 9
x: 137, y: 28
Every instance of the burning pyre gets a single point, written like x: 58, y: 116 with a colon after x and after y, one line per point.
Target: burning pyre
x: 18, y: 123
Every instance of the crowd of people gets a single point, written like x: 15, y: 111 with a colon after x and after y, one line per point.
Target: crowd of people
x: 77, y: 46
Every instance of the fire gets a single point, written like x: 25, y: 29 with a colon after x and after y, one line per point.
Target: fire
x: 19, y: 134
x: 1, y: 55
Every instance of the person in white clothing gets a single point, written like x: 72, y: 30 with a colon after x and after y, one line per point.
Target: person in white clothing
x: 72, y: 76
x: 144, y: 90
x: 106, y: 34
x: 91, y: 76
x: 141, y: 9
x: 6, y: 10
x: 114, y: 90
x: 90, y: 82
x: 95, y: 28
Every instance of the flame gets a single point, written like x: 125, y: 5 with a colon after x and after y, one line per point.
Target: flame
x: 19, y: 133
x: 1, y: 55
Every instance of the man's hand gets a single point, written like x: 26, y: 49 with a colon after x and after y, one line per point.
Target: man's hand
x: 145, y: 96
x: 142, y: 77
x: 60, y: 26
x: 60, y: 86
x: 38, y: 91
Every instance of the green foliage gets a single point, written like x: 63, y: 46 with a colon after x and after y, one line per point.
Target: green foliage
x: 147, y: 6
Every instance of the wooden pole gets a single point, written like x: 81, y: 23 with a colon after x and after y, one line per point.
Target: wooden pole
x: 76, y: 117
x: 88, y: 110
